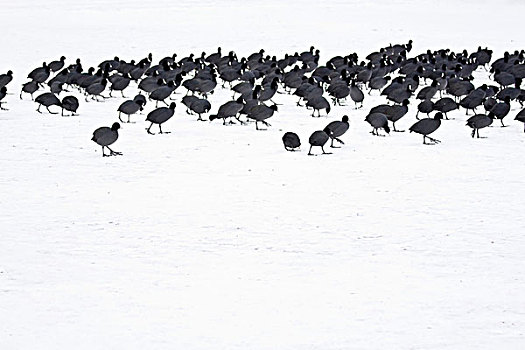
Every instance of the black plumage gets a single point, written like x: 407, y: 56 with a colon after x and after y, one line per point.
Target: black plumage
x: 378, y: 121
x: 106, y: 136
x: 69, y: 103
x: 318, y: 139
x: 129, y: 107
x: 30, y: 87
x: 160, y: 116
x: 291, y: 141
x: 336, y: 129
x: 427, y: 126
x: 47, y: 99
x: 479, y: 121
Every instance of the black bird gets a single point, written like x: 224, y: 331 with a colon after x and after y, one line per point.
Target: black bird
x: 425, y: 106
x: 521, y: 118
x: 119, y: 83
x: 427, y: 126
x: 378, y: 121
x: 269, y: 91
x: 37, y: 71
x: 377, y: 83
x: 106, y: 136
x: 260, y: 113
x: 356, y: 94
x: 150, y: 83
x: 30, y: 87
x: 291, y: 141
x: 479, y: 121
x: 318, y: 103
x: 3, y: 93
x: 6, y: 78
x: 336, y: 129
x: 229, y: 110
x: 428, y: 92
x: 56, y: 87
x: 42, y: 75
x: 141, y: 98
x: 47, y: 99
x: 55, y: 66
x: 318, y: 138
x: 188, y: 100
x: 162, y: 93
x: 96, y: 89
x: 501, y: 109
x: 393, y: 112
x: 69, y: 103
x: 129, y: 107
x: 159, y: 116
x: 445, y: 105
x: 473, y: 99
x: 200, y: 106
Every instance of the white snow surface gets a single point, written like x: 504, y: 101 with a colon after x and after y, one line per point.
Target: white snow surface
x: 214, y: 237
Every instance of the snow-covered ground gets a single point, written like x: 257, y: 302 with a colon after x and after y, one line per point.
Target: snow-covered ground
x: 214, y: 237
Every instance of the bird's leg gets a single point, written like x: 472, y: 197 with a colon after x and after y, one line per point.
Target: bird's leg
x: 165, y: 103
x: 502, y: 125
x: 122, y: 92
x: 163, y: 132
x: 21, y: 94
x: 120, y: 117
x: 394, y: 124
x: 477, y: 132
x: 50, y: 111
x: 332, y: 143
x: 322, y: 147
x: 338, y: 140
x: 310, y: 151
x: 38, y: 109
x: 236, y: 117
x: 2, y: 108
x: 473, y: 132
x: 148, y: 129
x: 113, y: 153
x: 265, y: 123
x: 104, y: 154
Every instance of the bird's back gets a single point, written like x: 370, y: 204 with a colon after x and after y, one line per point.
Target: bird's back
x: 425, y: 126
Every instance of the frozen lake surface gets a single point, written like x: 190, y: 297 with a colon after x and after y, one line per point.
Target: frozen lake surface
x: 214, y: 237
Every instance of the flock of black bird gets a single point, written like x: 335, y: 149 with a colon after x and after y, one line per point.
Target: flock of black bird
x: 441, y: 81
